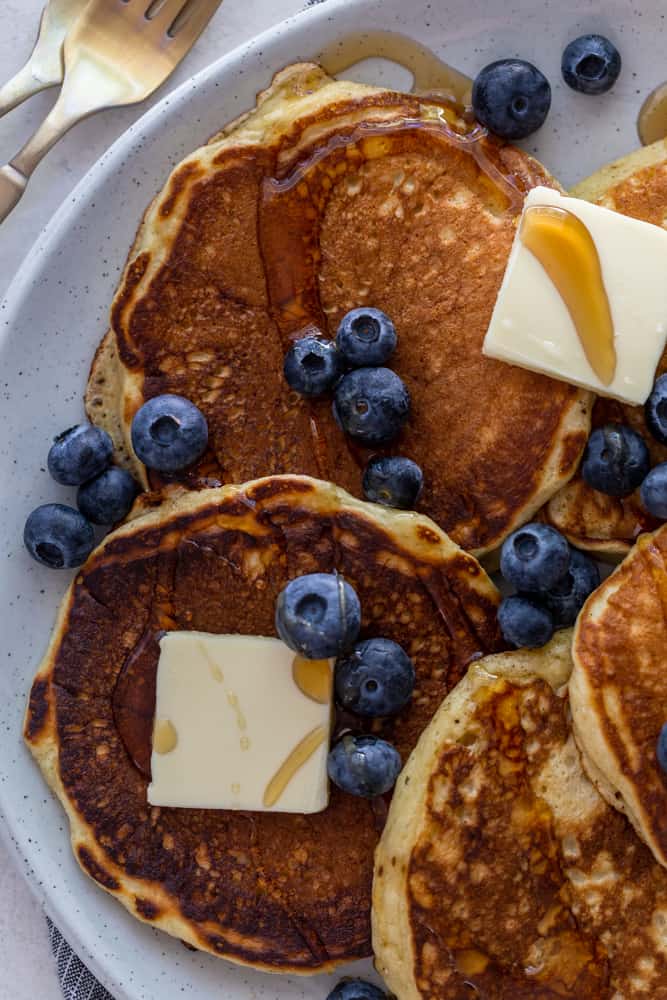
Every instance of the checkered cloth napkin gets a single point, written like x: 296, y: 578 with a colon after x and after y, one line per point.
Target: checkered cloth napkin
x: 77, y: 982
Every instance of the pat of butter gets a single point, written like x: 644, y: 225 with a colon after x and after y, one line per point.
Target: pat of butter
x: 240, y: 723
x: 533, y: 327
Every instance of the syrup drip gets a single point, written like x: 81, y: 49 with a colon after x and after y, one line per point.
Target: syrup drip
x: 293, y: 205
x: 298, y: 757
x: 567, y: 252
x: 294, y: 202
x: 431, y: 76
x: 313, y: 678
x: 165, y: 737
x: 652, y: 119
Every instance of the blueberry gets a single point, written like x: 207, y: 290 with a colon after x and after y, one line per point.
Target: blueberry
x: 169, y: 433
x: 525, y: 621
x: 375, y: 679
x: 655, y: 410
x: 654, y: 492
x: 366, y: 337
x: 318, y: 615
x: 394, y: 481
x: 566, y: 598
x: 371, y: 405
x: 108, y: 497
x: 79, y: 453
x: 534, y: 557
x: 364, y: 765
x: 591, y: 64
x: 616, y: 460
x: 661, y: 748
x: 356, y: 989
x: 312, y: 366
x: 511, y: 97
x: 58, y: 536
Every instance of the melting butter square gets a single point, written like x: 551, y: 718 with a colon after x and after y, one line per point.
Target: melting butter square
x: 533, y: 327
x: 231, y: 722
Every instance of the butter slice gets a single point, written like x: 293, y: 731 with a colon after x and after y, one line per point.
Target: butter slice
x: 531, y: 326
x: 236, y: 716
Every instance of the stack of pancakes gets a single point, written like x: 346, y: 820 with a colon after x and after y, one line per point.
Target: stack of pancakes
x: 501, y: 869
x: 502, y: 872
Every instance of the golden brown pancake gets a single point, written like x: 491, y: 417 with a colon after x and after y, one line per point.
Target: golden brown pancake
x: 618, y: 689
x: 331, y: 195
x: 501, y: 872
x: 276, y: 891
x: 635, y: 185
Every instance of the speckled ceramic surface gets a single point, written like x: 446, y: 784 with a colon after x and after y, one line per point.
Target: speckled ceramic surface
x: 56, y: 311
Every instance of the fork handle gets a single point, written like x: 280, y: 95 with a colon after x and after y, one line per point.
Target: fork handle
x: 14, y: 176
x: 21, y: 86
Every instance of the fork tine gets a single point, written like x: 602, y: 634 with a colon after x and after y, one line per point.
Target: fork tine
x: 163, y: 11
x: 190, y: 21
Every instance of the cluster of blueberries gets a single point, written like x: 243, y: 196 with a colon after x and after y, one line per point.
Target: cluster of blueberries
x: 511, y: 97
x: 553, y: 579
x: 60, y: 536
x: 318, y: 615
x: 168, y: 433
x: 370, y: 402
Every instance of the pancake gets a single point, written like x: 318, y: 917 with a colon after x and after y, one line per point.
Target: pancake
x: 501, y: 871
x: 331, y: 195
x: 619, y: 688
x: 282, y: 892
x: 635, y: 185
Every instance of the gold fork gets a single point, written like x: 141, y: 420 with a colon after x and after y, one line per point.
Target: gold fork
x: 44, y: 68
x: 118, y: 52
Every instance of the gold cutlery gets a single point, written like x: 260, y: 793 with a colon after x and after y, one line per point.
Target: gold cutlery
x: 117, y: 52
x: 44, y: 68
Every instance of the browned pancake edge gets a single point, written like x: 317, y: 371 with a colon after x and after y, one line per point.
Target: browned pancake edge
x: 274, y: 891
x: 328, y: 196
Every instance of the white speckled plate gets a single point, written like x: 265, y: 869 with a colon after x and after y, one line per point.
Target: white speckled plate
x: 56, y: 311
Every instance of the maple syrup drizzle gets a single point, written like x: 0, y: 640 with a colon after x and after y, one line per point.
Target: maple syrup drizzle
x: 431, y: 76
x: 652, y: 119
x: 313, y: 678
x: 294, y: 197
x: 215, y: 669
x: 165, y: 737
x: 294, y: 202
x: 567, y: 252
x: 302, y: 752
x: 233, y: 702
